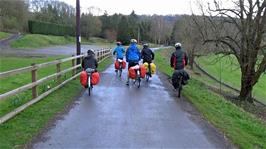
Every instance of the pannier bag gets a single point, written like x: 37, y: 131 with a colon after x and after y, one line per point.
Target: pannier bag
x: 95, y: 78
x: 84, y: 78
x: 142, y: 71
x: 131, y: 73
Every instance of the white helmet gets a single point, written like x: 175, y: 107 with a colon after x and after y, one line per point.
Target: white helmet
x: 90, y: 52
x: 178, y: 45
x: 133, y: 41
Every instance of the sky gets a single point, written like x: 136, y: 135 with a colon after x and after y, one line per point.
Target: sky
x: 148, y: 7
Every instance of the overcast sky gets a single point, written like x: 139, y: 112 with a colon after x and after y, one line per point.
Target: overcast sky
x: 149, y: 7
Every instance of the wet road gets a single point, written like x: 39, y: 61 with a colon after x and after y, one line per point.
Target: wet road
x: 118, y: 116
x: 53, y: 50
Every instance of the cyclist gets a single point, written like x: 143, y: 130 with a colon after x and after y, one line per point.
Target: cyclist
x: 89, y: 63
x: 147, y: 54
x: 133, y: 55
x: 119, y: 51
x: 178, y: 61
x: 179, y: 58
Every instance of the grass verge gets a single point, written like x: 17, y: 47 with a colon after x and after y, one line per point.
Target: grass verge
x: 231, y: 74
x: 34, y: 41
x: 4, y: 35
x: 242, y: 128
x: 18, y: 131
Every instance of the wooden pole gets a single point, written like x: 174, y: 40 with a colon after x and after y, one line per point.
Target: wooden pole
x: 34, y: 79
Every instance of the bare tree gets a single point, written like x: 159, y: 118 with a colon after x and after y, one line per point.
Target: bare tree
x: 240, y: 30
x: 185, y: 31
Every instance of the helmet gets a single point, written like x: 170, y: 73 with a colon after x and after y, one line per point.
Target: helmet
x: 133, y: 41
x: 145, y: 45
x: 178, y: 45
x: 90, y: 52
x: 118, y: 43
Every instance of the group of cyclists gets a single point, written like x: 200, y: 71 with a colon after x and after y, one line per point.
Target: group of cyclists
x: 133, y: 56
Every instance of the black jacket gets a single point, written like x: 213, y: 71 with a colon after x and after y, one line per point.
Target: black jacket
x: 179, y: 59
x: 89, y: 62
x: 147, y: 55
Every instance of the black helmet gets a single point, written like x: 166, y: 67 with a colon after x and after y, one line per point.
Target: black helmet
x: 145, y: 45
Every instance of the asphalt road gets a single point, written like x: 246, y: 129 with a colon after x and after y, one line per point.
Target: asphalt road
x: 118, y: 116
x: 53, y: 50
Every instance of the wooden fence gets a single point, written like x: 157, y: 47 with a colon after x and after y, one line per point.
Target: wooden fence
x: 100, y: 56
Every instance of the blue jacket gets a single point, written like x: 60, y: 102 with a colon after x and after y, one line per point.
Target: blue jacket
x: 133, y: 54
x: 119, y: 51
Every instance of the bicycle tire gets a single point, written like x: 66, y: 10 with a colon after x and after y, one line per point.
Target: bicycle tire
x: 120, y: 72
x: 139, y: 80
x: 179, y: 87
x: 89, y: 91
x: 147, y: 77
x: 89, y: 86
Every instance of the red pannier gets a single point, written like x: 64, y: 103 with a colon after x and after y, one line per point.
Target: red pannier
x: 116, y: 64
x: 95, y: 78
x: 84, y: 78
x: 124, y: 64
x: 142, y: 71
x: 131, y: 73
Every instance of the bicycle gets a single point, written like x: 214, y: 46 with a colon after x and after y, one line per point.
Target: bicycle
x: 120, y: 68
x: 179, y: 88
x: 148, y: 74
x: 138, y: 77
x: 89, y: 72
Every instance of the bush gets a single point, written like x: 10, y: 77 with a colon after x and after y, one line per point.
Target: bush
x: 37, y: 27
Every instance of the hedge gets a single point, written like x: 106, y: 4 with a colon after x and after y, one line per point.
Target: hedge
x: 37, y: 27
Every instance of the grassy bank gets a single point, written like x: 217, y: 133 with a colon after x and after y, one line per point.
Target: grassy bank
x: 34, y: 41
x: 19, y: 130
x: 4, y: 35
x: 228, y: 69
x: 242, y: 128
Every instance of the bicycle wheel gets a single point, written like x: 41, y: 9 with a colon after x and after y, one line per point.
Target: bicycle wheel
x: 89, y: 85
x: 139, y: 80
x: 89, y: 91
x: 120, y: 72
x: 147, y: 77
x: 179, y: 87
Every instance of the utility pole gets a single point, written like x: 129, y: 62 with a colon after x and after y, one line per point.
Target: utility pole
x: 78, y: 37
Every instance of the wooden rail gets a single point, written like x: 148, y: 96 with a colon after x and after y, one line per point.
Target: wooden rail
x: 100, y: 56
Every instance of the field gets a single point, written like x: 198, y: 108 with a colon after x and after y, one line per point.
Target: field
x: 228, y: 70
x: 4, y: 35
x: 242, y: 128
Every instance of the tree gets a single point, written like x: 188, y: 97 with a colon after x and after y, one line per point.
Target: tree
x: 123, y: 34
x: 53, y: 11
x: 240, y: 30
x: 185, y: 31
x: 13, y: 15
x: 90, y: 25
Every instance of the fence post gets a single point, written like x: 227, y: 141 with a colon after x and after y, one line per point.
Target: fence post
x: 58, y: 69
x: 73, y: 64
x: 98, y: 55
x: 34, y: 79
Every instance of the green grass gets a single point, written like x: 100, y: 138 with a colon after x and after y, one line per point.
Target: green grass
x: 4, y: 35
x: 18, y: 131
x: 243, y: 129
x: 230, y: 73
x: 32, y: 41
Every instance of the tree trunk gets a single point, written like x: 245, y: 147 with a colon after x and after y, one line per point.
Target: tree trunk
x: 246, y: 87
x: 191, y: 58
